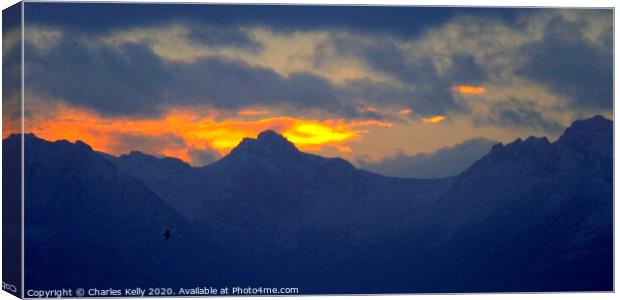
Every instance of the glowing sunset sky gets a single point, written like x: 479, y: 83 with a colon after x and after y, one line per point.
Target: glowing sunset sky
x: 191, y: 81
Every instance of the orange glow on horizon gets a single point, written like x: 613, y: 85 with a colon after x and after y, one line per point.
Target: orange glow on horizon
x: 433, y: 119
x: 469, y: 89
x: 179, y: 131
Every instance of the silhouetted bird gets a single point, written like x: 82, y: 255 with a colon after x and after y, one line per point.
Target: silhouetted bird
x: 167, y: 234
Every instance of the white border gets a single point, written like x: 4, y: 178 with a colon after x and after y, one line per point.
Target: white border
x: 487, y: 3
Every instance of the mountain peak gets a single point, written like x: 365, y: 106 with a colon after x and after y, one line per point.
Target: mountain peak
x: 585, y: 139
x: 140, y: 157
x: 596, y: 123
x: 591, y: 135
x: 587, y: 129
x: 267, y: 142
x: 136, y: 154
x: 519, y: 148
x: 270, y: 135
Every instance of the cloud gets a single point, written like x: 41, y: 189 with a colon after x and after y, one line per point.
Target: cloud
x: 469, y: 89
x: 252, y: 112
x: 433, y: 119
x: 395, y: 20
x: 365, y: 92
x: 465, y: 70
x: 11, y: 71
x: 142, y: 69
x: 223, y: 37
x: 130, y: 79
x: 503, y: 50
x: 445, y: 162
x: 417, y: 78
x: 569, y: 64
x: 518, y: 113
x: 405, y: 111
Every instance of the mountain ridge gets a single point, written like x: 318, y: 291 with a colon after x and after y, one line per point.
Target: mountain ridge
x: 270, y: 142
x: 525, y: 217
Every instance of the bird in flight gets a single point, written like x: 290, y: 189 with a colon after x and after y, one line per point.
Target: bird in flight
x: 167, y: 234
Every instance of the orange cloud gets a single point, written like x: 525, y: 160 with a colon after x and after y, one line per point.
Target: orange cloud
x: 469, y: 89
x: 405, y: 111
x: 433, y: 119
x: 181, y: 130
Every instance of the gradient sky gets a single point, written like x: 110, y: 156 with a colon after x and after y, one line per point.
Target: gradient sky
x: 364, y: 83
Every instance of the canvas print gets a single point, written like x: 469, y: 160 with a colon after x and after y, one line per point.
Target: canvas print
x: 213, y: 150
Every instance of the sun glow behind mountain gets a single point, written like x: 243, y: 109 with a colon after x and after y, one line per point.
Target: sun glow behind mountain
x: 180, y: 131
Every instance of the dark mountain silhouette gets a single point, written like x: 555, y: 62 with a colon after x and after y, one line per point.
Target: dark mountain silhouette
x: 12, y: 216
x: 96, y: 224
x: 148, y: 168
x: 529, y: 216
x: 293, y: 208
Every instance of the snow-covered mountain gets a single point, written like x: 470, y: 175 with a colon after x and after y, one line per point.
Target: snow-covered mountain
x: 529, y: 216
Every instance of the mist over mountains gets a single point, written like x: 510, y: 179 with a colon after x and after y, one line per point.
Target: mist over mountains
x: 531, y: 215
x: 445, y: 162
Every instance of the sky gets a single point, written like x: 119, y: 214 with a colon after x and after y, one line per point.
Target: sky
x: 380, y: 86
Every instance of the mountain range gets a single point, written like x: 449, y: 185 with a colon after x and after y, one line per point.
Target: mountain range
x: 531, y: 215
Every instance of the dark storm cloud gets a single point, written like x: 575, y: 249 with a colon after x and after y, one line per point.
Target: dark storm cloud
x: 445, y: 162
x: 234, y: 84
x: 132, y: 80
x: 520, y: 114
x: 399, y: 21
x: 366, y: 91
x: 128, y: 80
x: 464, y: 70
x: 425, y: 91
x: 389, y: 60
x: 572, y: 66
